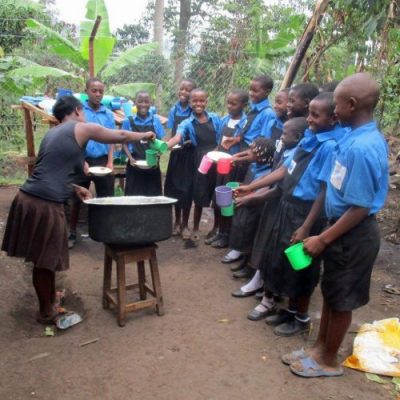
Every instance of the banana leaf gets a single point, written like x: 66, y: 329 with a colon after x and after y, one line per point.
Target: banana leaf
x: 57, y: 44
x: 104, y: 42
x: 39, y: 73
x: 128, y: 57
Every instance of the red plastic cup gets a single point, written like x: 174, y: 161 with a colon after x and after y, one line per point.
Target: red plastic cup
x: 205, y: 165
x: 224, y: 166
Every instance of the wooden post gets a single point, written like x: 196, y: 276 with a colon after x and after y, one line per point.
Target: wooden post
x: 30, y: 144
x: 305, y: 42
x: 91, y: 46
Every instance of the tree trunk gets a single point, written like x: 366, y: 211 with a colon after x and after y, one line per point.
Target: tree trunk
x: 181, y: 39
x: 305, y: 42
x: 158, y: 31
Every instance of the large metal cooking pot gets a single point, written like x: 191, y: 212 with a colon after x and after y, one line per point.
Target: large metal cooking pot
x: 130, y: 219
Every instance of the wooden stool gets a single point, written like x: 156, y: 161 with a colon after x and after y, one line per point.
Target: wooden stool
x: 124, y: 255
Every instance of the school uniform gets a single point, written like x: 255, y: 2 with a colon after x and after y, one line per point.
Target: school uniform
x: 179, y: 178
x: 142, y: 182
x: 260, y: 114
x: 268, y: 210
x: 300, y: 187
x: 358, y: 177
x: 96, y: 153
x: 230, y: 128
x: 204, y: 138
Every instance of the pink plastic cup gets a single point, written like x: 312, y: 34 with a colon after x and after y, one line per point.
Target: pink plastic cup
x: 205, y: 165
x: 224, y: 166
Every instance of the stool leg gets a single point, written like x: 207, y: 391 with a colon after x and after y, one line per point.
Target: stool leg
x: 121, y: 291
x: 106, y: 279
x: 142, y: 280
x: 155, y: 276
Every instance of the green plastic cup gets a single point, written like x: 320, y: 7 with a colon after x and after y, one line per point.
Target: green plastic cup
x: 233, y: 185
x: 228, y: 211
x: 117, y: 161
x: 297, y: 257
x: 159, y: 145
x: 151, y: 157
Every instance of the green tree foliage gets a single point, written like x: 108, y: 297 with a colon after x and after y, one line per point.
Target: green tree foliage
x: 130, y: 36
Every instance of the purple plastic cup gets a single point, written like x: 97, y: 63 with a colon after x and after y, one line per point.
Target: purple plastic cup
x: 223, y: 196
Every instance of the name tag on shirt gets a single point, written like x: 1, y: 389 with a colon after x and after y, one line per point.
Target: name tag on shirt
x: 292, y: 166
x: 338, y: 174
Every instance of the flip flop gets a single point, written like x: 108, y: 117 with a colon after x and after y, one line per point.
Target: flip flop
x: 293, y: 356
x: 311, y: 369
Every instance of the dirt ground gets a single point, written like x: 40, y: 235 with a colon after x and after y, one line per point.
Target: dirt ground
x: 204, y: 347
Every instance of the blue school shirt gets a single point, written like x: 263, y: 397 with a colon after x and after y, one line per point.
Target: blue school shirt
x: 263, y: 118
x: 104, y: 117
x: 186, y: 127
x: 359, y: 173
x: 149, y: 120
x: 239, y: 126
x: 177, y: 111
x: 323, y: 144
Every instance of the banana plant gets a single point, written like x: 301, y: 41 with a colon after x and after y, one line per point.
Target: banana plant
x: 77, y: 57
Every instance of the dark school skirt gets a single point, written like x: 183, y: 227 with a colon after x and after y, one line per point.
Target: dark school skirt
x: 279, y: 276
x: 142, y: 182
x: 36, y: 230
x: 348, y: 263
x: 203, y: 184
x: 179, y: 179
x: 244, y: 223
x: 265, y: 225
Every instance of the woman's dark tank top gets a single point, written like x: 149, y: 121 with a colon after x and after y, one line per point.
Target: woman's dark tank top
x: 60, y: 158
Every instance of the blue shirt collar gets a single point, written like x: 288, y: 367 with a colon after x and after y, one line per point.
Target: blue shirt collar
x: 351, y: 135
x: 193, y: 118
x: 148, y: 118
x: 260, y: 105
x: 181, y: 109
x: 101, y: 109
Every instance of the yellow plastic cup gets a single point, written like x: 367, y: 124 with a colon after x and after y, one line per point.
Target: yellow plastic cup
x: 297, y: 257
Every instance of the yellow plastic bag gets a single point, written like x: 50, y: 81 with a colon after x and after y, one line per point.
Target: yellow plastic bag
x: 376, y: 348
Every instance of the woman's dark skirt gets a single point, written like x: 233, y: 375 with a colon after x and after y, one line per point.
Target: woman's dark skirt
x: 179, y: 179
x: 279, y: 276
x: 36, y: 230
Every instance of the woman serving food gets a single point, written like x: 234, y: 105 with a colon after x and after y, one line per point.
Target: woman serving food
x: 36, y: 227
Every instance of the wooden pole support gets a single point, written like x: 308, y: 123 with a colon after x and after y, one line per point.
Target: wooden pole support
x: 91, y: 46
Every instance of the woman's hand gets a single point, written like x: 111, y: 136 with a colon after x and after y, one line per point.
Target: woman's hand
x: 299, y: 235
x: 82, y: 193
x: 149, y: 136
x: 132, y: 161
x: 314, y: 245
x: 228, y: 142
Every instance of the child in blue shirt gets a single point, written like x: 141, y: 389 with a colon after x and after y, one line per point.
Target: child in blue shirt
x: 142, y: 182
x: 178, y: 180
x: 202, y: 128
x: 299, y: 190
x: 260, y: 114
x: 292, y: 133
x: 96, y: 153
x: 231, y: 126
x: 357, y: 185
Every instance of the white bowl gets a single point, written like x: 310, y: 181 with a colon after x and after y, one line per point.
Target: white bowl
x: 100, y: 171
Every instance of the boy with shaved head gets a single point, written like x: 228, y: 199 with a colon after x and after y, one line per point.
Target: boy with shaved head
x: 357, y: 184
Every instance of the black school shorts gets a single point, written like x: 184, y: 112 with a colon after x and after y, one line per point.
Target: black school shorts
x: 348, y: 264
